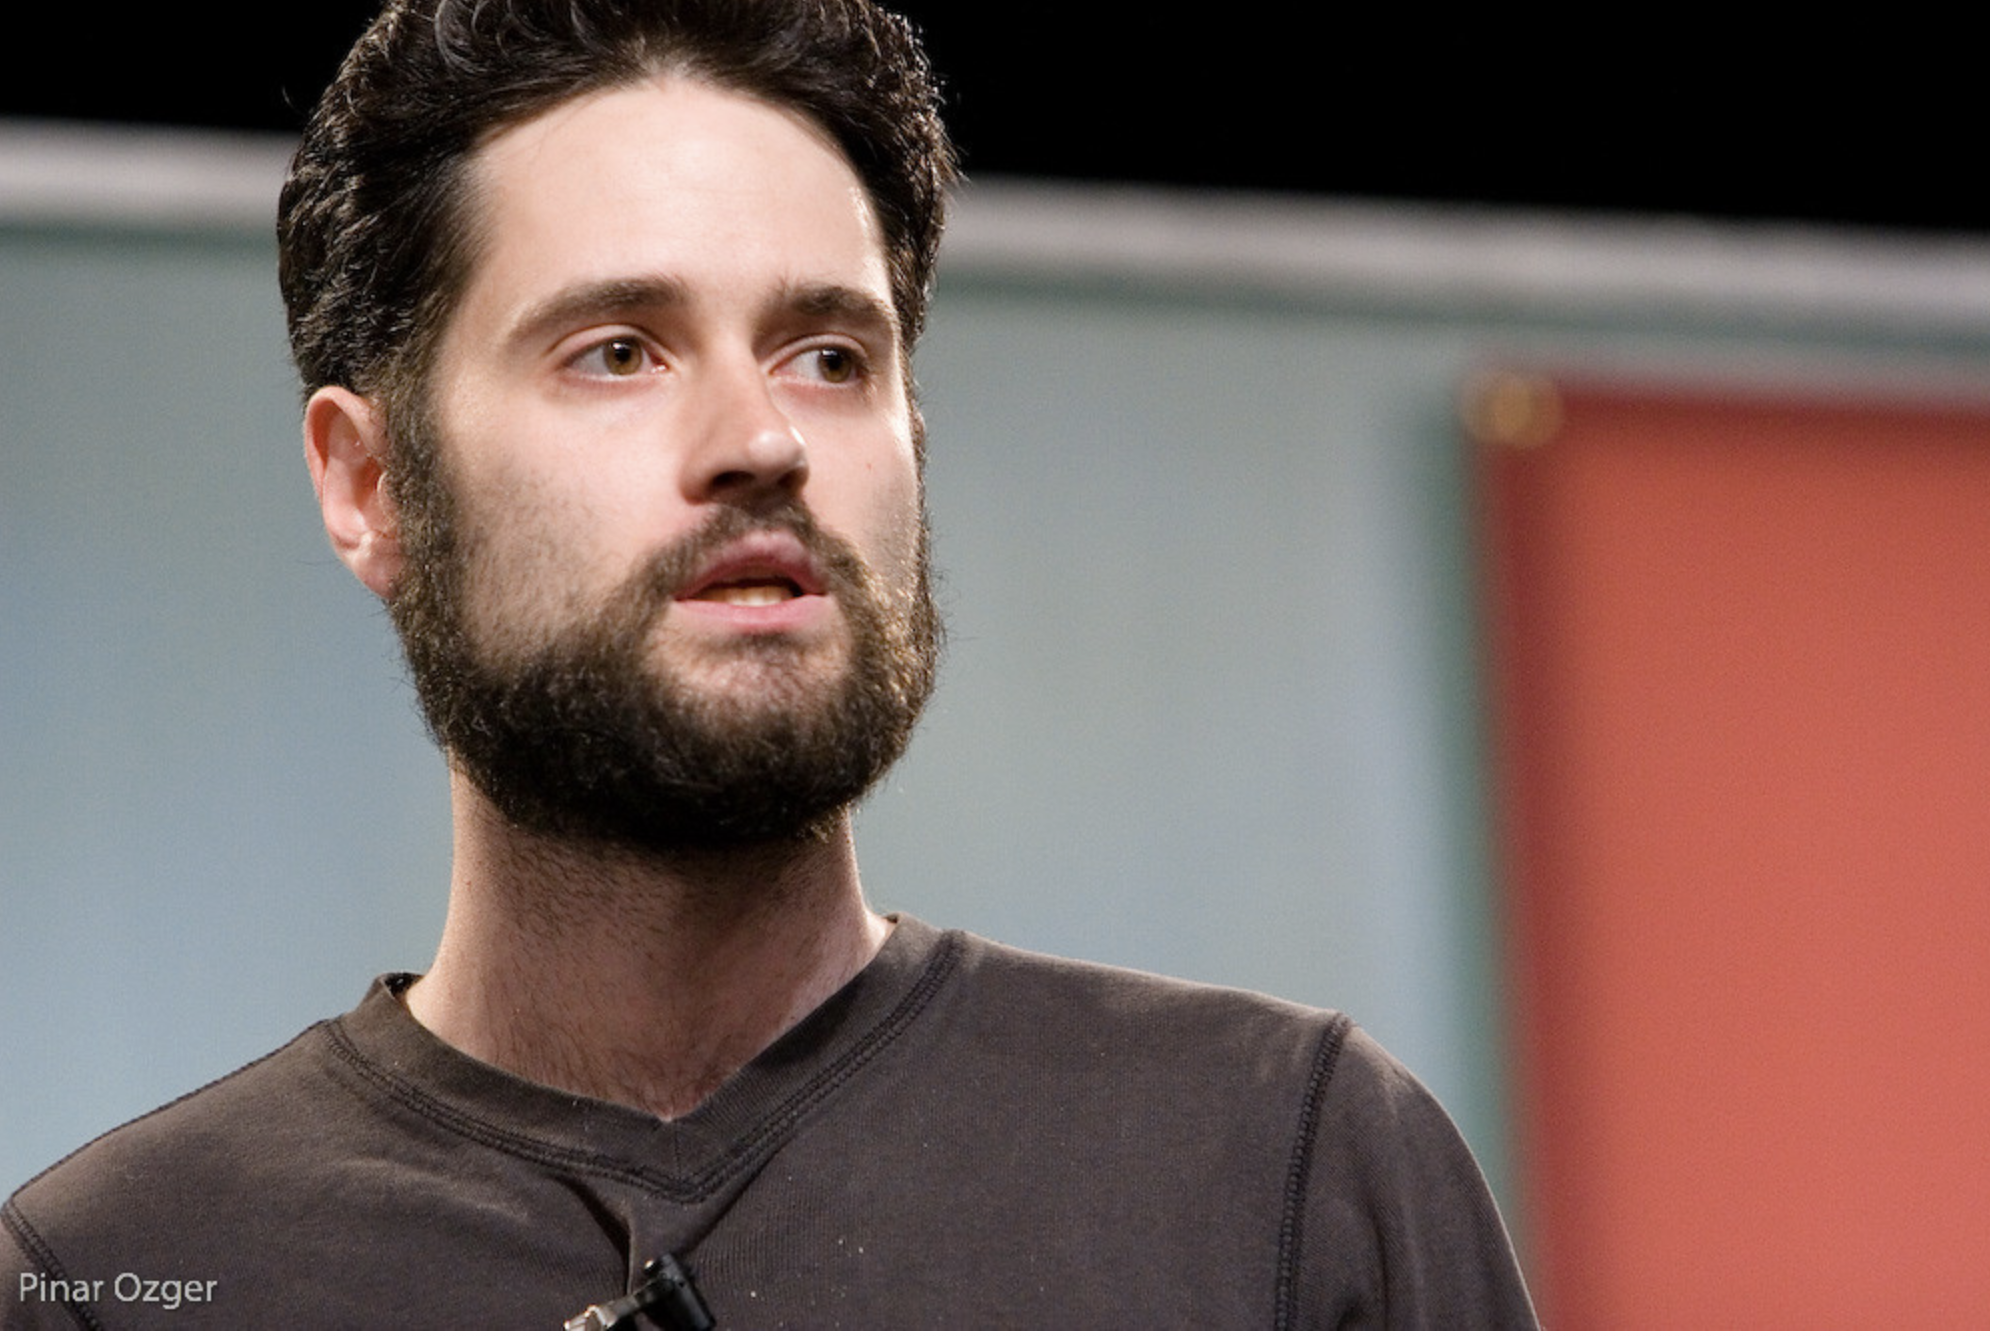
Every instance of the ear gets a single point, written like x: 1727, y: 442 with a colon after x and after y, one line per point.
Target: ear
x: 345, y: 440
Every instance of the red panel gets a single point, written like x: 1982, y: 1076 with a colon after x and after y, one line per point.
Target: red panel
x: 1742, y: 669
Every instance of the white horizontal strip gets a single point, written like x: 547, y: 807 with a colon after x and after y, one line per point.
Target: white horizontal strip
x: 1305, y: 248
x: 1468, y: 257
x: 56, y: 172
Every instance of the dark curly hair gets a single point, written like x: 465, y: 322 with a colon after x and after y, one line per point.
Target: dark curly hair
x: 375, y: 236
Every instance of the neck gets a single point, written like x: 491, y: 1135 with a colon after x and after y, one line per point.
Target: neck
x: 642, y: 979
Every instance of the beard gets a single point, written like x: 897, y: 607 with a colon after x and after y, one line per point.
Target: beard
x: 595, y: 736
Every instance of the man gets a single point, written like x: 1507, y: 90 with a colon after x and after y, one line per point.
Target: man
x: 604, y: 312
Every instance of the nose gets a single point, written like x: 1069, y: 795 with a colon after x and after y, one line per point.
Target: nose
x: 746, y: 448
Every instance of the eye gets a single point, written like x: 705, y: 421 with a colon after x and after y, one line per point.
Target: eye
x: 833, y: 364
x: 623, y: 355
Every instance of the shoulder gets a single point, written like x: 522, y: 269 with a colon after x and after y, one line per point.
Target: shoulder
x: 223, y: 1130
x: 1383, y: 1217
x: 1200, y: 1041
x: 238, y: 1155
x: 221, y: 1126
x: 1094, y: 1007
x: 1192, y: 1066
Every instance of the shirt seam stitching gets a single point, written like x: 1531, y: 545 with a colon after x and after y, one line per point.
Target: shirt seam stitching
x: 681, y: 1189
x: 43, y: 1256
x: 1291, y: 1230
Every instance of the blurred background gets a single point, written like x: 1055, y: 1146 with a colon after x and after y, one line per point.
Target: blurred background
x: 1476, y: 525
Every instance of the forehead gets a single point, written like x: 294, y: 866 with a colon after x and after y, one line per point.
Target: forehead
x: 723, y: 194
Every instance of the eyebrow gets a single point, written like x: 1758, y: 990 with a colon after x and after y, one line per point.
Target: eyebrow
x: 622, y: 296
x: 848, y: 305
x: 594, y: 301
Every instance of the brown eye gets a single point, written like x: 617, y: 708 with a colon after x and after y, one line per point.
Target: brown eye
x: 621, y: 357
x: 835, y: 365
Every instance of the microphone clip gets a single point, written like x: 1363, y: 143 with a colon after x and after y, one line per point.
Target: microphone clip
x: 666, y: 1297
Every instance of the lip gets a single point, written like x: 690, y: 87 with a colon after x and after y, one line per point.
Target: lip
x: 771, y: 558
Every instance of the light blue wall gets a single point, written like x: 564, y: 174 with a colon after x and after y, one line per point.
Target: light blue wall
x: 217, y: 813
x: 1211, y: 704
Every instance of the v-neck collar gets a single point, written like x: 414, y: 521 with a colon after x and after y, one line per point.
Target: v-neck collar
x: 683, y: 1159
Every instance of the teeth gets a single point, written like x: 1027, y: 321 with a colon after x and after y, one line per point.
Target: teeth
x: 748, y: 596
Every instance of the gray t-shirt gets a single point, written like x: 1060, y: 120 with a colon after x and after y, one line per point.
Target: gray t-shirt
x: 965, y: 1136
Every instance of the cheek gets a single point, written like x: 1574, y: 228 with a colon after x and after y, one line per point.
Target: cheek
x: 549, y: 504
x: 894, y: 518
x: 516, y: 581
x: 537, y: 551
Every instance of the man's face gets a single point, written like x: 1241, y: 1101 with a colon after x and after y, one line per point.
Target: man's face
x: 679, y: 595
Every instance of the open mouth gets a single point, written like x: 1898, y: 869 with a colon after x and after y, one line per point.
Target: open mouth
x: 762, y: 570
x: 750, y: 591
